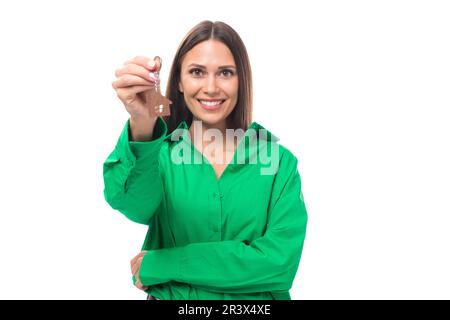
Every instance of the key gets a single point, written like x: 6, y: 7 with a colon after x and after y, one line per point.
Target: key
x: 159, y: 104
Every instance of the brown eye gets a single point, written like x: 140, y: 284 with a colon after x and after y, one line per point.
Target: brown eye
x: 195, y: 72
x: 227, y: 72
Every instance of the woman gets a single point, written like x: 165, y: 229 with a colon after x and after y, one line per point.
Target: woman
x: 226, y: 220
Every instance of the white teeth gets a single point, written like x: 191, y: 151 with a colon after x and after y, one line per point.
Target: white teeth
x: 211, y: 103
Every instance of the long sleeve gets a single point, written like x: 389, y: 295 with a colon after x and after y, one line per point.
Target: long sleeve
x: 133, y: 183
x: 268, y: 263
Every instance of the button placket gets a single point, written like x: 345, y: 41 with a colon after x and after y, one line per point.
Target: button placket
x: 218, y: 196
x: 216, y: 226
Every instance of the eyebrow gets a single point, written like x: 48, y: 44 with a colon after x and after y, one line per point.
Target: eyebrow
x: 203, y: 67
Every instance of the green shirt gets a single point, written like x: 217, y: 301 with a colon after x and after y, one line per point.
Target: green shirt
x: 237, y: 237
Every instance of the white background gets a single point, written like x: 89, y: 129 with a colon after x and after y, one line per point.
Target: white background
x: 357, y: 90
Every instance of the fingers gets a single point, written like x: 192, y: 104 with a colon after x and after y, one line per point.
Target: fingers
x: 136, y: 262
x: 140, y: 286
x: 133, y: 263
x: 158, y: 63
x: 135, y: 70
x: 145, y: 62
x: 129, y: 80
x: 138, y: 71
x: 135, y: 266
x: 127, y: 94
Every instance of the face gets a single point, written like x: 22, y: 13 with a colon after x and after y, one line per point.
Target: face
x: 209, y: 82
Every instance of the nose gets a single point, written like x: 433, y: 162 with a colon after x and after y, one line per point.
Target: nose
x: 211, y: 87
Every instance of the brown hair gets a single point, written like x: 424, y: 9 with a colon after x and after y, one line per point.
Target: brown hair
x: 241, y: 116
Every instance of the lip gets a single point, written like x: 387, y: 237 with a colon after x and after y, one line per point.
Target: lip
x: 211, y: 107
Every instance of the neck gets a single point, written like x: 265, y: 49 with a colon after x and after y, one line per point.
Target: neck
x: 200, y: 137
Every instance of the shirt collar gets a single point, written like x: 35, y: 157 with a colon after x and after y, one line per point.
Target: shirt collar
x: 180, y: 133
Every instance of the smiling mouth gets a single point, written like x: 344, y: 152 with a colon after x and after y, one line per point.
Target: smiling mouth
x: 211, y: 104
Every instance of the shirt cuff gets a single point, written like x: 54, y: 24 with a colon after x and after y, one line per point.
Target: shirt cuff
x: 160, y: 266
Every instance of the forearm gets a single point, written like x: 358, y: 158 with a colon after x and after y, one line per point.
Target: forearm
x: 133, y: 183
x: 228, y: 266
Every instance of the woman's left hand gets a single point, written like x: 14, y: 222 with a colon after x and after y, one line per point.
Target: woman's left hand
x: 135, y: 266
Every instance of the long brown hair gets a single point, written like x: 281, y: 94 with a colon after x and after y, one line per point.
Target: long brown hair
x: 241, y: 116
